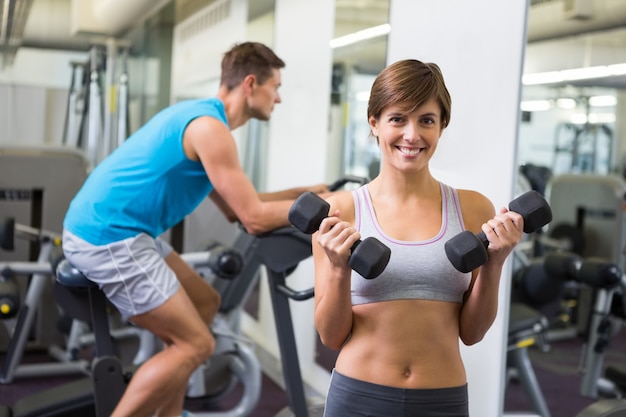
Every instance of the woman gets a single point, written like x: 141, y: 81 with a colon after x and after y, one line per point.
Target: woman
x: 398, y: 334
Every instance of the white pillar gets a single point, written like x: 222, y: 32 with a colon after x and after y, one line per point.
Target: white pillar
x: 299, y: 134
x: 479, y: 46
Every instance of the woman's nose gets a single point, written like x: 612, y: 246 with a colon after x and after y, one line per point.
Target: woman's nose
x: 411, y: 133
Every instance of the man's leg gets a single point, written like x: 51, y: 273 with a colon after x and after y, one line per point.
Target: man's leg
x: 201, y: 293
x: 159, y: 379
x: 206, y: 300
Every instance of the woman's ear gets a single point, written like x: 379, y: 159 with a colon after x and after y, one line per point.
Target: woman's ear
x: 374, y: 126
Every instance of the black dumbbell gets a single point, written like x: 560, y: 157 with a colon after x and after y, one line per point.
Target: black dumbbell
x: 369, y: 257
x: 467, y: 251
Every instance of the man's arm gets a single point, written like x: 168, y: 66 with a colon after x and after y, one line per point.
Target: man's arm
x: 293, y: 193
x: 217, y: 199
x: 210, y: 141
x: 289, y: 194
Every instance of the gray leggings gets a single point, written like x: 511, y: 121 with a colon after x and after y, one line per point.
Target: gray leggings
x: 349, y: 397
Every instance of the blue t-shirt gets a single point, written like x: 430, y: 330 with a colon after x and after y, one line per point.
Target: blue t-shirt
x: 147, y: 184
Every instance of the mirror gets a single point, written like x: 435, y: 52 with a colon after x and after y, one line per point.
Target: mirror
x: 359, y: 53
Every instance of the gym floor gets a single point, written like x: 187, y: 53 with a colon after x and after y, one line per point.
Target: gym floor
x: 556, y: 370
x: 558, y: 375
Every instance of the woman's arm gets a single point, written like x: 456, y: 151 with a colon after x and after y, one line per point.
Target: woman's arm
x: 331, y: 251
x: 504, y: 231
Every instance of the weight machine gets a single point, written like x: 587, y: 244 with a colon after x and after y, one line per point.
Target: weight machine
x: 602, y: 282
x: 97, y: 111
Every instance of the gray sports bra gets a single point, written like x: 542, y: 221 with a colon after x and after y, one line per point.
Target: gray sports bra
x: 416, y: 270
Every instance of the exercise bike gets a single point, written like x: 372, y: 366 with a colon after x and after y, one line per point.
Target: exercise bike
x: 99, y: 391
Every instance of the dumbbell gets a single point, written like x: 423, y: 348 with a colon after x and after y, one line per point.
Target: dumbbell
x: 467, y: 251
x: 369, y: 257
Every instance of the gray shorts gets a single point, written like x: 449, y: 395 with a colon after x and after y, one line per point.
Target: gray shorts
x: 131, y: 272
x: 349, y: 397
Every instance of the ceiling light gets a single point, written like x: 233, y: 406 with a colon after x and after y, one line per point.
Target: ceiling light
x: 593, y: 118
x: 617, y: 69
x: 584, y: 73
x: 361, y: 35
x: 566, y: 103
x: 535, y: 105
x: 542, y: 78
x: 602, y: 101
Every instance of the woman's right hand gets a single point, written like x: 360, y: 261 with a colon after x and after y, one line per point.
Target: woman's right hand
x: 336, y: 238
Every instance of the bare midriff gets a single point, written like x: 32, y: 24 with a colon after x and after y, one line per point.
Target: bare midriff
x: 404, y: 344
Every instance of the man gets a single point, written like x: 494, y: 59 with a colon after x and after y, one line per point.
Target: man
x: 150, y: 183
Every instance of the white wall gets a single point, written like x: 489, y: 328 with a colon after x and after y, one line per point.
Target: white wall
x: 200, y: 42
x: 479, y: 46
x: 33, y: 96
x: 299, y: 134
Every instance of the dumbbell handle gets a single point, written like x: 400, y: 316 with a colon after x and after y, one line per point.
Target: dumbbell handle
x: 533, y: 208
x: 467, y: 251
x: 307, y: 213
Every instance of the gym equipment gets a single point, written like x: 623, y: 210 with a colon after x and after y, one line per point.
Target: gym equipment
x: 606, y: 280
x: 76, y: 105
x: 603, y: 281
x: 527, y: 328
x: 97, y: 110
x: 594, y: 206
x: 605, y: 408
x: 37, y: 184
x: 9, y: 295
x: 566, y: 237
x: 97, y: 394
x: 601, y: 329
x: 369, y: 257
x: 280, y: 252
x: 467, y: 251
x: 66, y: 360
x: 41, y: 278
x: 583, y: 148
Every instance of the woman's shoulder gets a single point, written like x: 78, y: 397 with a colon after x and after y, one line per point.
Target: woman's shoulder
x: 476, y: 208
x: 342, y: 201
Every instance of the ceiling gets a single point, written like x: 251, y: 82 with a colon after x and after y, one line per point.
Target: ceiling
x: 561, y: 33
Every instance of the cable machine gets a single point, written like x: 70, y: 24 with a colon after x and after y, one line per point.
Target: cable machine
x: 584, y: 148
x: 97, y: 110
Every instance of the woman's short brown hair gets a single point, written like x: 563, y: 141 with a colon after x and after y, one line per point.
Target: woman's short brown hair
x: 409, y: 83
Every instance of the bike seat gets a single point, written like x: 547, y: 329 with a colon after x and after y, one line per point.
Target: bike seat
x: 68, y: 276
